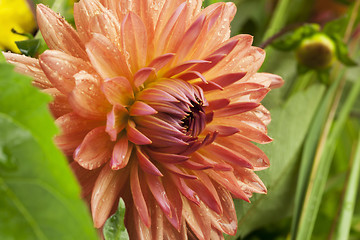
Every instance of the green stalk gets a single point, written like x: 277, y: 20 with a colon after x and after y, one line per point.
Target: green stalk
x: 324, y: 153
x: 278, y: 21
x: 347, y: 210
x: 321, y: 168
x: 308, y: 153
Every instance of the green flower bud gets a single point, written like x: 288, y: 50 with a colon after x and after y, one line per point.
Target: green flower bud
x: 316, y: 52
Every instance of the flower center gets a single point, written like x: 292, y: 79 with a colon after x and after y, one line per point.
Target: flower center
x: 195, y: 120
x: 180, y: 116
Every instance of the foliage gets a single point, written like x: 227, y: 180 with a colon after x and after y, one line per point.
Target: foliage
x: 39, y: 196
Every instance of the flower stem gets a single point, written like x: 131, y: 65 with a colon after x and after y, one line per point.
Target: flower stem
x: 350, y: 196
x: 278, y: 20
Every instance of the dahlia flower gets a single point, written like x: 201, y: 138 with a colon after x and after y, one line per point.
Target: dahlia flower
x: 157, y: 105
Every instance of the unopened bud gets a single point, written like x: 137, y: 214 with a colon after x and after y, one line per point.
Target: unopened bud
x: 316, y: 52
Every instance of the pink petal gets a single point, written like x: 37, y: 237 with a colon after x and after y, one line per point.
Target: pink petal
x: 217, y: 104
x: 118, y: 90
x: 216, y: 29
x: 58, y: 34
x: 190, y: 75
x: 157, y: 189
x: 166, y: 157
x: 116, y: 121
x: 184, y: 189
x: 108, y: 61
x: 205, y: 161
x: 206, y: 191
x: 60, y: 69
x: 156, y: 95
x: 174, y: 197
x: 136, y: 136
x: 143, y: 75
x: 227, y: 222
x: 87, y: 99
x: 121, y: 153
x: 223, y: 131
x: 182, y: 67
x: 247, y: 149
x: 170, y: 31
x: 146, y: 164
x: 95, y: 150
x: 161, y: 61
x: 233, y: 59
x: 138, y: 197
x: 175, y: 170
x: 218, y: 151
x: 73, y: 130
x: 235, y: 109
x: 30, y: 67
x: 141, y: 109
x: 189, y: 37
x: 250, y: 181
x: 106, y: 193
x: 229, y: 182
x: 198, y: 219
x: 211, y: 62
x: 223, y: 80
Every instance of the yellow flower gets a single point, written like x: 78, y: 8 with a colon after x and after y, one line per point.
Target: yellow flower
x: 14, y: 14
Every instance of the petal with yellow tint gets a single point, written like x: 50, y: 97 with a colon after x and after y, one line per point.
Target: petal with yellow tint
x: 59, y: 34
x: 106, y: 58
x: 134, y: 41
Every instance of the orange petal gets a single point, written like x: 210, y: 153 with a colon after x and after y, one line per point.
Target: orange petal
x: 60, y: 105
x: 121, y: 153
x: 87, y: 98
x: 92, y: 17
x: 60, y: 69
x: 106, y: 193
x: 95, y: 150
x: 73, y: 130
x: 118, y: 91
x: 134, y: 40
x: 108, y: 61
x: 58, y: 34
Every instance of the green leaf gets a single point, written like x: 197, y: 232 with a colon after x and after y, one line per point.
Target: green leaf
x: 290, y: 41
x: 39, y: 196
x: 114, y: 228
x: 342, y: 52
x: 289, y: 126
x: 28, y: 47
